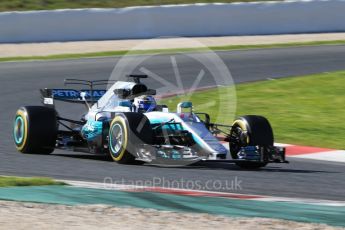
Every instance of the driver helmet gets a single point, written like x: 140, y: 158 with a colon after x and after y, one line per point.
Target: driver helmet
x: 144, y: 103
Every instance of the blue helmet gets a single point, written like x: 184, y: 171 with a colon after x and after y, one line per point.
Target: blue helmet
x: 145, y: 103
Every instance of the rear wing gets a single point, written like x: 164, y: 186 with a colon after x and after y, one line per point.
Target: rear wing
x: 90, y: 95
x: 71, y: 95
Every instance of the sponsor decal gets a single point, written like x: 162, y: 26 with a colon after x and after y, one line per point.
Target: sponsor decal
x: 75, y: 94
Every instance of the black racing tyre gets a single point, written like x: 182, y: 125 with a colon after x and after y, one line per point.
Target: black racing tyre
x: 35, y: 129
x: 126, y: 132
x: 250, y: 130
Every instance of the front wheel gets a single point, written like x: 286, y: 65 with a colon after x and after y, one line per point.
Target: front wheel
x: 250, y: 130
x: 126, y: 132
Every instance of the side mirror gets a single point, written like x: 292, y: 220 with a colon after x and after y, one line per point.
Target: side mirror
x: 184, y: 105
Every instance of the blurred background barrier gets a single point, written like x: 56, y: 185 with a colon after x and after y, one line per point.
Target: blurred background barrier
x: 174, y: 20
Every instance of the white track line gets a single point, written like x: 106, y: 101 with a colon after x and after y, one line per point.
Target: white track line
x: 334, y: 156
x: 122, y: 187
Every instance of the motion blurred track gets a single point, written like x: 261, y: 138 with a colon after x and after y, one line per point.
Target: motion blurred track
x: 20, y: 82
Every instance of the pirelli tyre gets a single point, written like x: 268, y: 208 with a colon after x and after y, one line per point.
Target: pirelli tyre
x: 250, y: 130
x: 35, y: 129
x: 127, y: 131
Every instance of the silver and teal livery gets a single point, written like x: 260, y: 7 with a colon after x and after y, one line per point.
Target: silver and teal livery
x: 113, y: 127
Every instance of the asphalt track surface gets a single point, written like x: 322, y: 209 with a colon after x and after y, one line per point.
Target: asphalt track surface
x: 20, y: 82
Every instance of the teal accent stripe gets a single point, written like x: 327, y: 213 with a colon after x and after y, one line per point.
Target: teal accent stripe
x: 214, y: 205
x: 18, y: 136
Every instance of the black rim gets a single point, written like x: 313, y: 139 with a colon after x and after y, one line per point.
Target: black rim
x: 116, y: 138
x: 236, y: 141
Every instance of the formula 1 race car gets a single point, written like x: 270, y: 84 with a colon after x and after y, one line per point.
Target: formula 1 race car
x: 125, y: 123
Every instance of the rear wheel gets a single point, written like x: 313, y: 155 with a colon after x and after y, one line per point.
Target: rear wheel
x: 250, y: 130
x: 126, y: 132
x: 35, y: 129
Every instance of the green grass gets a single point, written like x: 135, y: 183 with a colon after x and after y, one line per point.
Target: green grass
x: 26, y: 181
x: 167, y: 51
x: 308, y: 110
x: 23, y: 5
